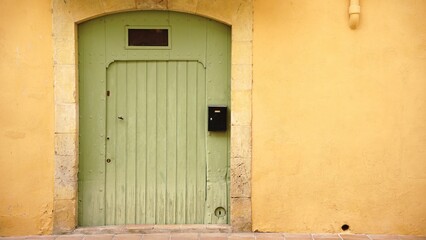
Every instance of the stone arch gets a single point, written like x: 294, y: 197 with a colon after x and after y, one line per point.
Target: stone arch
x: 68, y: 13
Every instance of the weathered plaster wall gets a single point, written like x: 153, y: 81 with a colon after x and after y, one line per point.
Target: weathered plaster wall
x: 339, y: 117
x: 27, y: 117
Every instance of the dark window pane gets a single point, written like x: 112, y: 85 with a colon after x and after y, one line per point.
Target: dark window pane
x: 148, y: 37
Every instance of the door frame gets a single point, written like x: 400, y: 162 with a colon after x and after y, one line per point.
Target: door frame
x: 67, y: 14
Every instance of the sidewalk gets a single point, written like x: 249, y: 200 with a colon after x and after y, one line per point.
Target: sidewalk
x: 217, y: 236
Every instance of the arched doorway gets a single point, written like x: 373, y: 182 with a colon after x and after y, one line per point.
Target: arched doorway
x: 146, y: 82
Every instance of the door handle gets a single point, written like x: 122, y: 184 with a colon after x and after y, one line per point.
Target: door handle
x: 121, y: 118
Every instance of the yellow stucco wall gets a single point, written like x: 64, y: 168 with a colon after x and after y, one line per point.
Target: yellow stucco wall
x: 339, y: 117
x: 26, y: 119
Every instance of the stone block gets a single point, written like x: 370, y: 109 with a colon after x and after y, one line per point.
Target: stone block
x: 64, y: 51
x: 65, y: 118
x: 64, y: 216
x: 85, y: 9
x: 242, y: 77
x: 242, y: 52
x: 241, y: 214
x: 152, y: 4
x: 63, y: 25
x: 65, y: 190
x: 65, y: 83
x: 221, y: 10
x: 241, y: 108
x: 144, y: 228
x: 183, y: 5
x: 65, y: 177
x: 65, y: 144
x: 242, y: 23
x: 241, y: 142
x: 240, y: 177
x: 117, y: 5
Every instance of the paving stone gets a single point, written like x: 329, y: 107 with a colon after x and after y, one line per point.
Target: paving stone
x: 325, y: 236
x: 40, y: 238
x: 184, y: 236
x: 128, y: 237
x: 401, y: 237
x: 201, y: 234
x: 70, y: 237
x: 13, y: 238
x: 99, y: 237
x: 382, y: 236
x: 298, y: 236
x: 213, y: 236
x: 156, y: 236
x: 269, y: 236
x: 354, y: 236
x: 241, y: 236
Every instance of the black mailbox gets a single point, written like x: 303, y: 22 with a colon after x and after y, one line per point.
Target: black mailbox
x: 217, y: 118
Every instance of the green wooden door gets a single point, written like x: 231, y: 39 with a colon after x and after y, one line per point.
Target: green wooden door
x: 146, y: 156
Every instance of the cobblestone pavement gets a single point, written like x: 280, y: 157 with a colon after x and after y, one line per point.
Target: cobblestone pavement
x: 217, y: 236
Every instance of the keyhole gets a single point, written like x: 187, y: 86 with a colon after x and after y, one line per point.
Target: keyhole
x: 220, y: 212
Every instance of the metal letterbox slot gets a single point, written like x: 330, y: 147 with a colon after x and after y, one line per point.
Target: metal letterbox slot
x: 217, y: 119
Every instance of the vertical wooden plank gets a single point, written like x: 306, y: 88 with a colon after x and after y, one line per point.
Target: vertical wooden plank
x: 92, y: 76
x: 131, y: 143
x: 191, y: 143
x: 181, y: 142
x: 110, y: 145
x: 171, y: 142
x: 151, y: 190
x: 161, y: 141
x: 121, y: 160
x: 201, y: 142
x: 217, y: 75
x: 141, y: 136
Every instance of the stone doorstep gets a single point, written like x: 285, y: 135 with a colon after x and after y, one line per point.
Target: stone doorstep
x: 147, y: 229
